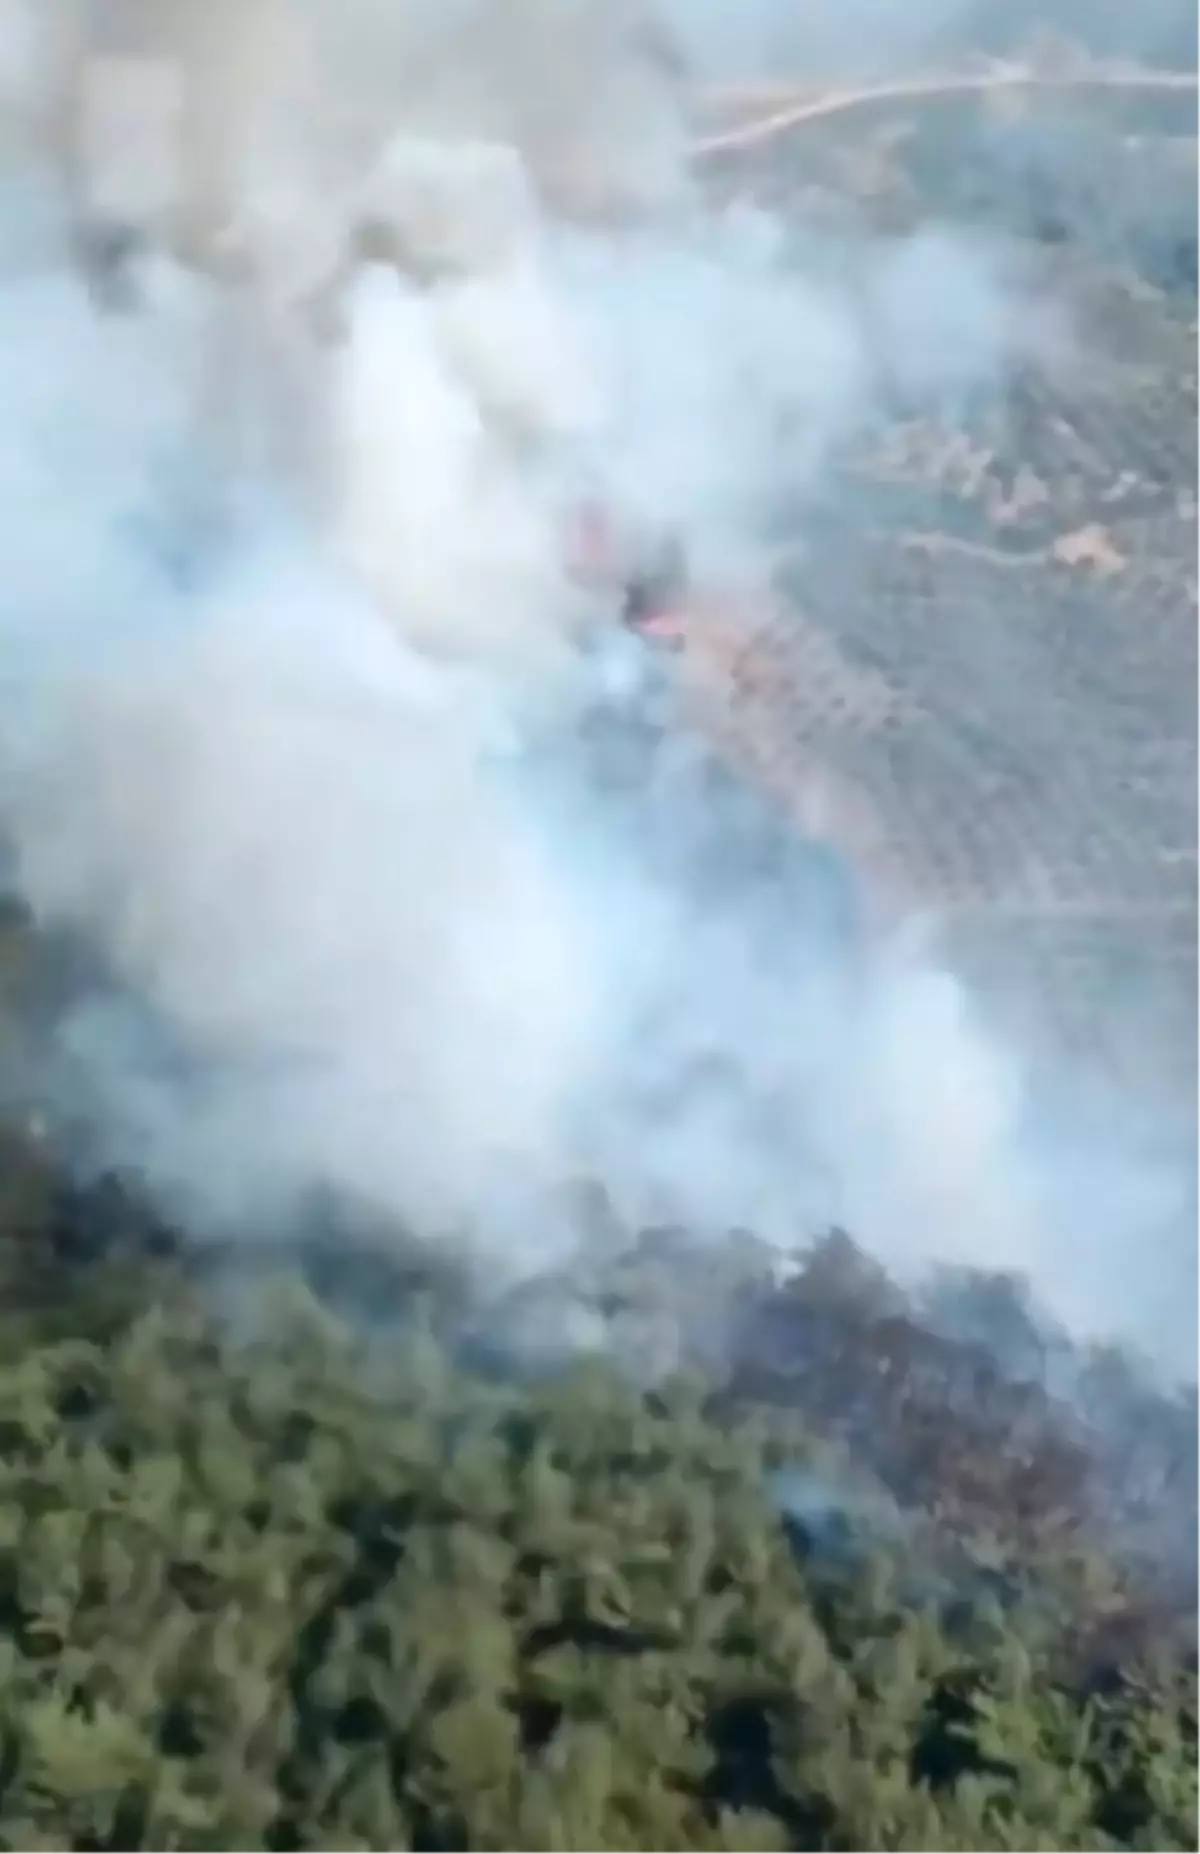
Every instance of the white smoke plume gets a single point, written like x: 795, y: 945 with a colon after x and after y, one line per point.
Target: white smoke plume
x: 296, y: 666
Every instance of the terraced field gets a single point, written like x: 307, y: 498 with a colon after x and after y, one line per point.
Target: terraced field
x: 982, y: 672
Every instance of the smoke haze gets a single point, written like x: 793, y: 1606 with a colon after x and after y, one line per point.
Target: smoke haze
x: 303, y: 691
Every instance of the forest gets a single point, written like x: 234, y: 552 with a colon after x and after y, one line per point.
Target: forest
x: 301, y: 1550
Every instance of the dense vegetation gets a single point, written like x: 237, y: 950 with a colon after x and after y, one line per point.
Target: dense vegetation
x: 273, y: 1576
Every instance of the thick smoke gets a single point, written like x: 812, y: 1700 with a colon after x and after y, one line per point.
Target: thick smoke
x: 332, y: 763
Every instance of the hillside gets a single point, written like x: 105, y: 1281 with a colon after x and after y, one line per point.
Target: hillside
x: 299, y: 1579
